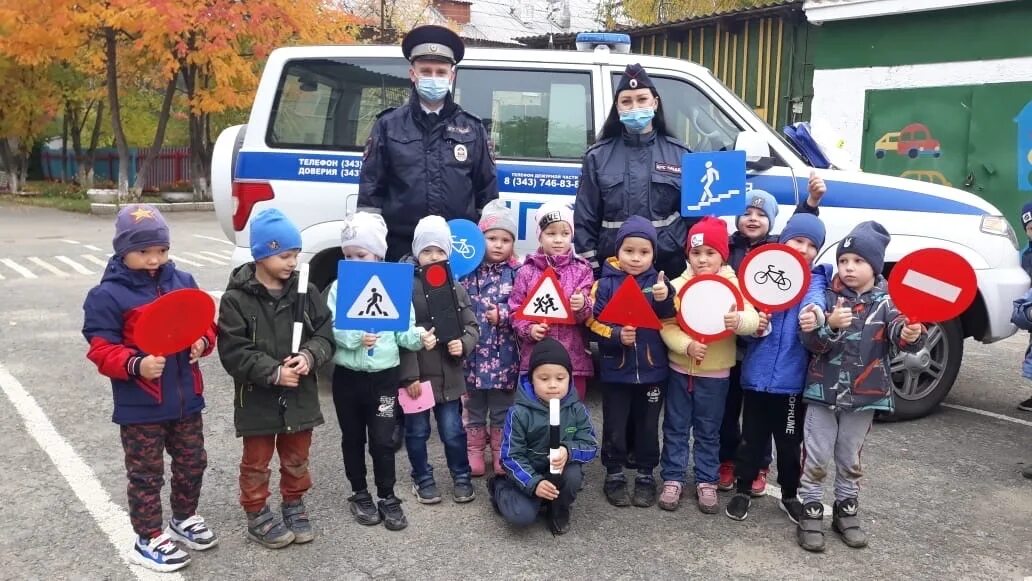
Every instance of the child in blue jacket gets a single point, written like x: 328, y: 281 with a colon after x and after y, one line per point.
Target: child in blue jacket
x: 773, y: 377
x: 634, y: 365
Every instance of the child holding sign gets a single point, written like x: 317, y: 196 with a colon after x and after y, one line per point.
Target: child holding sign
x: 699, y: 379
x: 158, y: 400
x: 634, y: 367
x: 276, y: 397
x: 554, y: 223
x: 773, y: 376
x: 439, y: 367
x: 365, y: 386
x: 525, y: 444
x: 493, y: 367
x: 848, y: 380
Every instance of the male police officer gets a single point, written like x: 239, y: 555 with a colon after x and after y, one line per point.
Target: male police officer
x: 427, y: 156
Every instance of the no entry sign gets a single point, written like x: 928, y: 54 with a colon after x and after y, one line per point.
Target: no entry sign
x: 774, y: 277
x: 702, y: 304
x: 932, y: 285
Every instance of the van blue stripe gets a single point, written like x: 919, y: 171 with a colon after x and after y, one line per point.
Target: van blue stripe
x: 563, y: 180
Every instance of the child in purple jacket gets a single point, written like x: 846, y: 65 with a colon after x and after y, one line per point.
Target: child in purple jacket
x: 554, y: 223
x: 492, y: 368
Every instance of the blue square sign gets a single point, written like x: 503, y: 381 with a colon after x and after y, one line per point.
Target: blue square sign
x: 713, y: 183
x: 373, y: 296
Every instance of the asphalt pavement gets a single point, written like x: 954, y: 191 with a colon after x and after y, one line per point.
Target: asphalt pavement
x: 943, y: 497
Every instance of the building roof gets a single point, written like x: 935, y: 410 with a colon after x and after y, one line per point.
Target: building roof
x: 504, y: 21
x: 818, y: 11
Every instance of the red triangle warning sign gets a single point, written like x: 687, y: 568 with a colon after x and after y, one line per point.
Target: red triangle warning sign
x: 628, y: 307
x: 546, y: 302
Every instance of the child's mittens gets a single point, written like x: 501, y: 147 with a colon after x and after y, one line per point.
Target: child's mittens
x: 808, y: 319
x: 628, y: 335
x: 911, y: 333
x: 732, y: 319
x: 659, y: 290
x: 429, y: 339
x: 538, y: 331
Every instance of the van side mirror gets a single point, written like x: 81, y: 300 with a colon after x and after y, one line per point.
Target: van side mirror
x: 757, y: 151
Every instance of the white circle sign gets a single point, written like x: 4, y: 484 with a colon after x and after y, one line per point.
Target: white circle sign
x: 703, y: 302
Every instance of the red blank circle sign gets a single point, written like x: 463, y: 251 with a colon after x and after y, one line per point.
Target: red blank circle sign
x: 932, y: 285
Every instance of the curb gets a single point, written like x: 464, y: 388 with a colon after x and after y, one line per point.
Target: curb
x: 111, y: 209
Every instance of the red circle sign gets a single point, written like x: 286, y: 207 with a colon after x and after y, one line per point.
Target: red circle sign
x: 932, y: 285
x: 436, y: 275
x: 774, y: 277
x: 702, y: 304
x: 174, y: 321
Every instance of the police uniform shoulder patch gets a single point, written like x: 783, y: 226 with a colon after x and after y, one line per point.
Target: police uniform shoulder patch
x: 385, y: 111
x: 460, y: 129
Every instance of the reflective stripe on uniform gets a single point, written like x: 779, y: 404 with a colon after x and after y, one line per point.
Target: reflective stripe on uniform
x: 657, y: 223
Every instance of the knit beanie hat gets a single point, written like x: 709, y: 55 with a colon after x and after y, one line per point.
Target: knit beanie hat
x: 272, y: 233
x: 497, y: 216
x: 709, y: 231
x: 365, y: 230
x: 868, y: 241
x: 548, y: 350
x: 804, y: 226
x: 139, y: 226
x: 432, y: 231
x: 1026, y: 215
x: 765, y: 203
x: 550, y: 213
x: 637, y: 227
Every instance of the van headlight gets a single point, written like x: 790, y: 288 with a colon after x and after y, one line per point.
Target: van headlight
x: 999, y: 226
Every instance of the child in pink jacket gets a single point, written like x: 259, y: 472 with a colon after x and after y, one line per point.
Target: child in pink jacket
x: 554, y: 222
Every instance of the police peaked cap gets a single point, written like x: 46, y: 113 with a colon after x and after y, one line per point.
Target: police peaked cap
x: 634, y: 77
x: 433, y: 42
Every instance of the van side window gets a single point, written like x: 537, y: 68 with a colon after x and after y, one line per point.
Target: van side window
x: 531, y: 114
x: 691, y: 117
x: 331, y: 104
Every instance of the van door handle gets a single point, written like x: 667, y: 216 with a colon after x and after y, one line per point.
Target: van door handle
x: 969, y: 180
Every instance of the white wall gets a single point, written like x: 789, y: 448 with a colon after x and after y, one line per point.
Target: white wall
x: 838, y: 94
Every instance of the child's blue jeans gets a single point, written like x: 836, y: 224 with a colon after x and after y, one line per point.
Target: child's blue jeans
x: 453, y: 436
x: 700, y: 410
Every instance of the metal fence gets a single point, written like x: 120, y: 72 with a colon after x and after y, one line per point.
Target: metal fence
x: 171, y: 166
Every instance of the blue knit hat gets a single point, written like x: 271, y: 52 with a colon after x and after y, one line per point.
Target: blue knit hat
x: 272, y: 233
x: 637, y: 227
x: 764, y: 202
x: 1026, y: 215
x: 139, y: 226
x: 868, y: 240
x: 804, y: 226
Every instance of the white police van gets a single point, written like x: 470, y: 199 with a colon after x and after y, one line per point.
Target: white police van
x: 301, y: 152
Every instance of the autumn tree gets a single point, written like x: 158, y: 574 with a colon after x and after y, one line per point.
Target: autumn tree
x: 653, y: 11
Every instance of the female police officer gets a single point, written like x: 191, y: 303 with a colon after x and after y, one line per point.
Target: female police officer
x: 633, y: 169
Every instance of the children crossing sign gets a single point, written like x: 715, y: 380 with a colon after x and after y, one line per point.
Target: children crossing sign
x: 373, y: 296
x: 713, y: 183
x: 546, y: 303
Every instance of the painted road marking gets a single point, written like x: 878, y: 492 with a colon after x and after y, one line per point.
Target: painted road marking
x: 92, y: 247
x: 112, y: 519
x: 75, y: 265
x: 76, y: 242
x: 203, y: 257
x: 47, y: 266
x: 94, y: 260
x: 222, y: 240
x: 183, y: 260
x: 215, y: 255
x: 988, y: 414
x: 18, y: 268
x: 933, y: 286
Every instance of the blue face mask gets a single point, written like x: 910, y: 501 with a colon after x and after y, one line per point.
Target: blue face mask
x: 433, y: 89
x: 636, y: 120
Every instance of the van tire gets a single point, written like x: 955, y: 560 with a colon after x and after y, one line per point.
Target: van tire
x: 945, y: 348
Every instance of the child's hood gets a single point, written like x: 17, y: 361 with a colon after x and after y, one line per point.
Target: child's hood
x: 542, y: 261
x: 117, y: 272
x: 526, y: 397
x: 611, y: 269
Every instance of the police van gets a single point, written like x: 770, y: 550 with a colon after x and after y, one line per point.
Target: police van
x: 301, y: 152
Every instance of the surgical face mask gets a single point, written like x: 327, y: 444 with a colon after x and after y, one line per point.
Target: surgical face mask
x: 433, y: 89
x: 636, y: 120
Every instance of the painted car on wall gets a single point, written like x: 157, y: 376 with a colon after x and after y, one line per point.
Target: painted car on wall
x: 914, y: 140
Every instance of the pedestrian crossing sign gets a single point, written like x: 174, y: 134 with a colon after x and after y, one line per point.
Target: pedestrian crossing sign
x: 373, y: 296
x: 546, y: 303
x: 713, y: 183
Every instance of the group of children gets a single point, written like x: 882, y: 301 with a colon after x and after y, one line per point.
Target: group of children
x: 492, y: 386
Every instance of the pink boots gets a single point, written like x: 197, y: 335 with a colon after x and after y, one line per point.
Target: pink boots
x: 476, y: 441
x: 496, y: 450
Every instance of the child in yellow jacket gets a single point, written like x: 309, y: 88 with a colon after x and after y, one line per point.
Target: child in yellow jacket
x: 699, y: 375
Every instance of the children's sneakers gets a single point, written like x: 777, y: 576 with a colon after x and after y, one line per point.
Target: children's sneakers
x: 363, y: 509
x: 709, y: 502
x: 462, y: 491
x: 393, y: 517
x: 726, y: 476
x: 670, y: 498
x: 738, y: 507
x: 792, y: 507
x: 295, y: 516
x: 759, y: 486
x: 427, y: 493
x: 846, y: 523
x: 644, y: 491
x: 1026, y: 405
x: 159, y: 554
x: 192, y: 532
x: 810, y: 533
x: 615, y: 489
x: 265, y: 528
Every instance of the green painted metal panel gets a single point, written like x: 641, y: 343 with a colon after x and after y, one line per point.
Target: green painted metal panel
x: 992, y: 31
x: 1000, y: 136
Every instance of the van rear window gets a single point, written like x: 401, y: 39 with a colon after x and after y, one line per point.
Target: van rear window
x: 331, y: 103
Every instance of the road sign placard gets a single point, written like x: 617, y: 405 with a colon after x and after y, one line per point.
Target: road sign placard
x: 373, y: 296
x: 174, y: 321
x: 628, y: 307
x: 702, y: 303
x: 713, y: 183
x: 932, y: 285
x: 546, y: 302
x: 441, y: 302
x: 468, y: 247
x: 774, y: 277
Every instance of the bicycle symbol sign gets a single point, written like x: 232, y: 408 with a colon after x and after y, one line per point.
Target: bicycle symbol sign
x: 468, y: 247
x: 774, y: 277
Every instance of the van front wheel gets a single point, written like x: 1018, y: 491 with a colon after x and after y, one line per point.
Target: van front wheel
x: 923, y: 379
